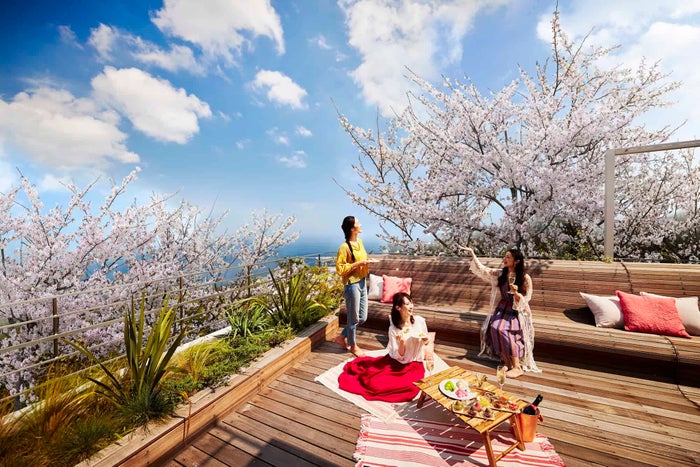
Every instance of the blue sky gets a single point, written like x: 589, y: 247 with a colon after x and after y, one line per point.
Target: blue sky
x: 231, y: 103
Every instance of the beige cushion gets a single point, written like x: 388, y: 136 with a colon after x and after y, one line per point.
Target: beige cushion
x: 606, y: 310
x: 375, y: 287
x: 687, y: 310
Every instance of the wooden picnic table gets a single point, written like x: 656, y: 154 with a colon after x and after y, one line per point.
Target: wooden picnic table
x: 429, y: 387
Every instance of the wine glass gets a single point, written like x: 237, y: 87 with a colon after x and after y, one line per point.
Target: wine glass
x: 501, y: 375
x: 511, y: 281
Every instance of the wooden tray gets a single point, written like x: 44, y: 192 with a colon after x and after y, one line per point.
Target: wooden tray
x: 466, y: 413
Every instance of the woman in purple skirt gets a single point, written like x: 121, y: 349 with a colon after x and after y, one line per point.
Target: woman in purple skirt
x: 507, y: 332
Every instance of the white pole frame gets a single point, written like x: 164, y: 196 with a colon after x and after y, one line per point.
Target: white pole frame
x: 610, y: 154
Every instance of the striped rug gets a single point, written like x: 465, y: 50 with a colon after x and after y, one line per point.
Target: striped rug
x: 412, y: 442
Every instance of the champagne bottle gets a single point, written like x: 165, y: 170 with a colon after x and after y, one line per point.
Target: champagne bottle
x: 532, y: 408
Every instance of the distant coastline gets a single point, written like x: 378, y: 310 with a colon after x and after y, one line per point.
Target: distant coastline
x: 325, y: 246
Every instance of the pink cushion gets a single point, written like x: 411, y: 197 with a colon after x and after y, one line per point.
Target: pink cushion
x: 688, y: 311
x: 653, y: 315
x: 394, y: 285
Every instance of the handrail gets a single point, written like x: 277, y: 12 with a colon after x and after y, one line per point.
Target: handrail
x: 213, y: 287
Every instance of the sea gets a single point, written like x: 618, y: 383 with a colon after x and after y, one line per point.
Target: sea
x: 325, y: 247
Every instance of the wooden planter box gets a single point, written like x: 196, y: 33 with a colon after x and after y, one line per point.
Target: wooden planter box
x: 147, y: 445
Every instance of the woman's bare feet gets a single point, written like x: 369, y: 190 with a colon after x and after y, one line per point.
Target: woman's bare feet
x: 341, y: 341
x: 356, y: 351
x: 514, y: 373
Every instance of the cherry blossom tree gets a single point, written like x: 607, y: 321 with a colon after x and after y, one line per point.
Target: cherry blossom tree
x: 74, y: 249
x: 524, y: 166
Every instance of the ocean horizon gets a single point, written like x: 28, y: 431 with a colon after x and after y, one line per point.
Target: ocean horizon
x: 325, y: 247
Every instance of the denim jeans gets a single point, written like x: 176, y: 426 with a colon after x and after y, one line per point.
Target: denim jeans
x: 356, y: 308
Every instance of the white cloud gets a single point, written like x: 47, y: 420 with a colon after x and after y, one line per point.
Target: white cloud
x: 153, y: 105
x: 219, y: 27
x: 111, y: 42
x: 655, y: 31
x: 241, y: 144
x: 421, y: 35
x: 68, y: 36
x: 279, y: 89
x: 8, y: 177
x: 303, y: 131
x: 321, y: 42
x: 52, y: 183
x: 296, y: 160
x: 55, y: 128
x: 277, y: 136
x: 179, y: 57
x: 102, y: 38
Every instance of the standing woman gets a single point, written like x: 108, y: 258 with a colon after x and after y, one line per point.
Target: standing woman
x: 351, y: 264
x: 507, y: 331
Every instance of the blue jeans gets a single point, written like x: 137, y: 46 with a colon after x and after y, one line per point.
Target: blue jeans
x: 356, y: 308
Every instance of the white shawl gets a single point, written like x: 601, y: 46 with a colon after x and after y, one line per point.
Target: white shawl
x: 490, y: 275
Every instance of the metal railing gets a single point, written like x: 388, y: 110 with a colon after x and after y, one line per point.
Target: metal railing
x: 33, y: 332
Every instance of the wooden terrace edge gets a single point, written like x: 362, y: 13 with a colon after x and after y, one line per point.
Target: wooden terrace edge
x: 147, y: 445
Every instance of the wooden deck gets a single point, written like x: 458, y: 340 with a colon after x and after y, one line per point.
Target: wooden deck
x: 592, y: 417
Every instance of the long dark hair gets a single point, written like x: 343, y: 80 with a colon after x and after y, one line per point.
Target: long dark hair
x: 347, y: 225
x: 519, y: 259
x: 396, y: 303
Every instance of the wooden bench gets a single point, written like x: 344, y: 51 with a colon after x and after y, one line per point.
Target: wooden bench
x: 454, y: 303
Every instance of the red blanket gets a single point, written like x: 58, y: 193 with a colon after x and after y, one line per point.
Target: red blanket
x: 381, y: 378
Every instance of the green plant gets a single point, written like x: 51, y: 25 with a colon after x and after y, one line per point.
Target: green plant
x: 251, y: 318
x: 194, y: 359
x: 61, y: 401
x: 293, y: 299
x: 82, y: 438
x: 138, y: 392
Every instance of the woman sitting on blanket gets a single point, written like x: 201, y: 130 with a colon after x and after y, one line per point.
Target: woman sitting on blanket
x: 390, y: 378
x: 409, y: 339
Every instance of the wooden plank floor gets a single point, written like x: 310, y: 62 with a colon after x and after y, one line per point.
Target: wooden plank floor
x: 592, y: 418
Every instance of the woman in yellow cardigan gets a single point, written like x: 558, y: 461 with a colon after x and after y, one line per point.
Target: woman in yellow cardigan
x: 352, y: 265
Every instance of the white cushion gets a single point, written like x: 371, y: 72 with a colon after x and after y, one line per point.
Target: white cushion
x: 687, y: 310
x: 606, y: 310
x: 375, y: 287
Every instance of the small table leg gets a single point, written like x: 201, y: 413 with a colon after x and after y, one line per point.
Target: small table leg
x: 421, y: 399
x: 518, y: 431
x: 489, y: 449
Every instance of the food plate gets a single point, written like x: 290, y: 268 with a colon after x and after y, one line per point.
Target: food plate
x: 457, y: 393
x: 466, y: 410
x: 502, y: 404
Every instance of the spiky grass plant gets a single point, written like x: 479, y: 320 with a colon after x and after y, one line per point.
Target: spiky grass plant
x: 62, y: 399
x: 138, y: 393
x: 248, y: 318
x: 292, y: 300
x: 194, y: 360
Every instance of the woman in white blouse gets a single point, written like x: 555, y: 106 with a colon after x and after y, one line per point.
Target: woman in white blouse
x: 409, y: 339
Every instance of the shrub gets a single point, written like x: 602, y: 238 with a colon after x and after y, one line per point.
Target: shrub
x: 138, y: 392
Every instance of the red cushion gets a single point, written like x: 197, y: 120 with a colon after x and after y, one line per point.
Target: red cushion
x: 394, y: 285
x: 653, y: 315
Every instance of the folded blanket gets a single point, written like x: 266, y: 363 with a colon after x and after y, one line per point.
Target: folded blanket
x: 381, y: 378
